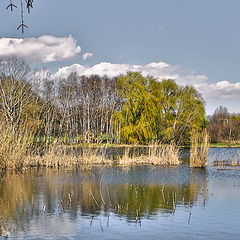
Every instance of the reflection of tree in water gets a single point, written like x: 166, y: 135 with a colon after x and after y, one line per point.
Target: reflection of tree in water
x: 132, y: 200
x: 31, y: 195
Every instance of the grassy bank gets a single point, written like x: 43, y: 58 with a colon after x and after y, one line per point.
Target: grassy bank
x: 225, y: 145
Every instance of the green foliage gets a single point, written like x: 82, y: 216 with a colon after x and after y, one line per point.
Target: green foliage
x: 157, y: 111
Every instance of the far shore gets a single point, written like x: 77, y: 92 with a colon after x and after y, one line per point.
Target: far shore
x: 119, y: 145
x: 225, y: 145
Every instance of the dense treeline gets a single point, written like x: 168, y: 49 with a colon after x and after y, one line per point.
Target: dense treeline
x: 125, y: 109
x: 224, y: 127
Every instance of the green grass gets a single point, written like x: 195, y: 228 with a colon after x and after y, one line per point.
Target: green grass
x: 63, y: 139
x: 224, y: 145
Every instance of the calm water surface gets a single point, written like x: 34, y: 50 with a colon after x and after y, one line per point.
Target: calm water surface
x: 141, y: 202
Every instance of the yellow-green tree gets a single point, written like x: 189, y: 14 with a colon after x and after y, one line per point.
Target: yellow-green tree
x: 157, y: 111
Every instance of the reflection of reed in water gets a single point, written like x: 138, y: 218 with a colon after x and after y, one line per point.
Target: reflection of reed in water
x: 225, y: 159
x: 147, y: 200
x: 198, y: 179
x: 24, y: 197
x: 16, y: 192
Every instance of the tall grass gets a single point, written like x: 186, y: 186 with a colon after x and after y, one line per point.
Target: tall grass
x: 15, y: 146
x: 59, y: 155
x: 157, y: 155
x: 199, y: 149
x: 17, y: 151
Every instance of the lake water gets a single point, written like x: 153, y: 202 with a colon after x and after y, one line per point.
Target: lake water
x: 140, y: 202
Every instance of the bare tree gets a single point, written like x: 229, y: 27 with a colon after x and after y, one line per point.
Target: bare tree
x: 16, y: 94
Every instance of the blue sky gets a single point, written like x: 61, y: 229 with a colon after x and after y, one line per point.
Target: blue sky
x: 197, y: 40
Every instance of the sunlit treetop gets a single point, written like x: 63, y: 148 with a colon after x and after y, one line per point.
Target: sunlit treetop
x: 22, y: 4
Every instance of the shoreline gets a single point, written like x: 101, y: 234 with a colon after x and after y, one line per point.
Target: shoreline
x: 116, y: 145
x: 224, y: 145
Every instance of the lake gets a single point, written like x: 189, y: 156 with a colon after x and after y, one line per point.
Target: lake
x: 136, y: 202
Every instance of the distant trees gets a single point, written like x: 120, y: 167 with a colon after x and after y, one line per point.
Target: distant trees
x: 223, y: 126
x: 127, y: 109
x: 86, y: 105
x: 77, y: 108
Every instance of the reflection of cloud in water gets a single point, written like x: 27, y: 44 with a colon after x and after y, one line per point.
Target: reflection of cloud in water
x: 225, y: 184
x: 52, y: 226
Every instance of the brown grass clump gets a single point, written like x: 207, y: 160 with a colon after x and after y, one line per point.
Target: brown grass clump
x: 235, y: 163
x: 55, y: 156
x: 17, y: 152
x: 157, y: 155
x: 14, y: 146
x: 95, y: 156
x: 60, y: 155
x: 199, y: 149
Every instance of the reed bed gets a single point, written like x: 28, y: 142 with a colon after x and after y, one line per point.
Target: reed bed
x: 236, y: 160
x: 15, y: 146
x: 157, y: 155
x: 62, y: 156
x: 199, y: 149
x: 235, y: 163
x: 18, y: 152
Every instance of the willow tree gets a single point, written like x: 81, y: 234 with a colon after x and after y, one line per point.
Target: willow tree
x: 138, y: 111
x: 159, y: 111
x: 189, y: 114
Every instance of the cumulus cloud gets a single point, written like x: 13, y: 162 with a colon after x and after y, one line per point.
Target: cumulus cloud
x: 39, y: 50
x: 87, y: 55
x: 223, y: 90
x: 160, y: 70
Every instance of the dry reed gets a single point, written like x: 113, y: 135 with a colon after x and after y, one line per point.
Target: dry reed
x: 15, y: 146
x: 199, y: 149
x: 157, y: 155
x: 59, y: 155
x: 16, y: 153
x: 235, y: 163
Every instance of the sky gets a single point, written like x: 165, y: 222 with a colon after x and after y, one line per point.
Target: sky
x: 191, y: 41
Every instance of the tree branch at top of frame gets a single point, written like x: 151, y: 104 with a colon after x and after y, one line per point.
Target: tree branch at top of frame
x: 28, y: 4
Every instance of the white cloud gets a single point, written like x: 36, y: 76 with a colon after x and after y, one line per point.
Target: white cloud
x: 223, y: 90
x: 159, y: 70
x: 39, y: 50
x: 65, y: 71
x: 87, y: 55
